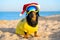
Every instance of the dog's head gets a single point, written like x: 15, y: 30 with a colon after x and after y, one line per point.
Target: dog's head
x: 32, y: 18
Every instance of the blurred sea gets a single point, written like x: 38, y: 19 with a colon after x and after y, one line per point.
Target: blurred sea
x: 15, y: 15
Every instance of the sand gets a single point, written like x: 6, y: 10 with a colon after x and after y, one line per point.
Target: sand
x: 49, y: 29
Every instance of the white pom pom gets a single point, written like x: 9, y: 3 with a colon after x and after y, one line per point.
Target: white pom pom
x: 20, y: 14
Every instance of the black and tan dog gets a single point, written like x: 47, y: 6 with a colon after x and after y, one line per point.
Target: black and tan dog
x: 28, y: 25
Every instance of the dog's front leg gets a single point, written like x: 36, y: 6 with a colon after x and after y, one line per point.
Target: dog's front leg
x: 25, y: 35
x: 35, y: 34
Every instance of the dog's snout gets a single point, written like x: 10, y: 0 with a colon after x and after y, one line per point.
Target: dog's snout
x: 33, y: 16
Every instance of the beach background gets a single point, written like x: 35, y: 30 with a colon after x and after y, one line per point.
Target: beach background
x: 49, y: 19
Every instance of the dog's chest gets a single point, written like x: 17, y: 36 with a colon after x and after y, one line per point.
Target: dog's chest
x: 29, y: 28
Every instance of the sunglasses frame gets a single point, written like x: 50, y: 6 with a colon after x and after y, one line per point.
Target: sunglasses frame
x: 32, y: 10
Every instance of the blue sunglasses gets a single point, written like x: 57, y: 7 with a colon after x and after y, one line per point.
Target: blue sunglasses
x: 31, y: 8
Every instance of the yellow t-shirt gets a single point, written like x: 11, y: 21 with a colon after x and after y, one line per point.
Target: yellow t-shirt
x: 23, y: 26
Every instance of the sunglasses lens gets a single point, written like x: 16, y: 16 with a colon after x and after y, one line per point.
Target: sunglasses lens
x: 31, y: 8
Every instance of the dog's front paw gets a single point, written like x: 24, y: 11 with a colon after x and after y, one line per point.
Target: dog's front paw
x: 25, y: 36
x: 35, y: 35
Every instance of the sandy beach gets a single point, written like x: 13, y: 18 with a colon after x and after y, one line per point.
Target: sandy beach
x: 49, y: 29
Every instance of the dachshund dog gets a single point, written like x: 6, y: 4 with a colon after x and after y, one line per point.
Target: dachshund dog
x: 28, y: 25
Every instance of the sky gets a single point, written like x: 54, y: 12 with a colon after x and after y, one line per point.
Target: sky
x: 17, y: 5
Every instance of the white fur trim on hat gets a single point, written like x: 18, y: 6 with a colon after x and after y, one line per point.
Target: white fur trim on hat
x: 38, y: 6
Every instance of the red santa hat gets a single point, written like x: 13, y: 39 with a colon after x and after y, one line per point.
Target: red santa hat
x: 29, y: 4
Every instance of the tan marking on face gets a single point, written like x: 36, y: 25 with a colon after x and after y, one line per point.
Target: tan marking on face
x: 34, y: 16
